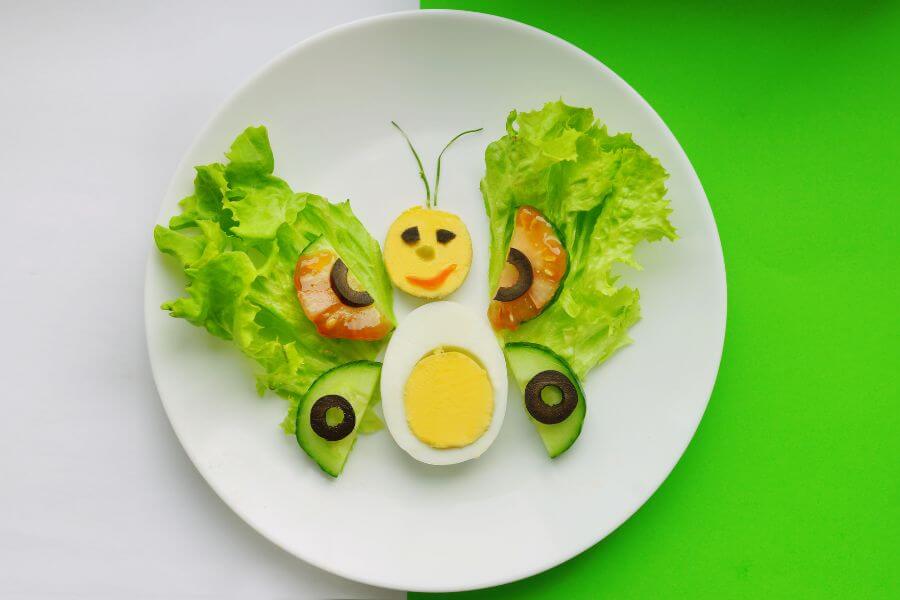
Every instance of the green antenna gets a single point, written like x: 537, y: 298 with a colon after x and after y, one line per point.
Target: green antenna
x: 437, y: 176
x: 418, y: 162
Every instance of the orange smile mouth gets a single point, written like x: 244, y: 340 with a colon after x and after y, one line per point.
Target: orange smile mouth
x: 432, y: 283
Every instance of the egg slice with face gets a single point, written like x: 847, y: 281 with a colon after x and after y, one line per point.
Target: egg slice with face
x: 443, y: 384
x: 428, y: 252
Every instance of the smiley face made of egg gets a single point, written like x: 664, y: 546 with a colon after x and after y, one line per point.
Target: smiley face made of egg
x: 444, y: 384
x: 428, y: 251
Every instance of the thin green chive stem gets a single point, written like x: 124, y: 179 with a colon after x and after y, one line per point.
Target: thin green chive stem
x: 418, y: 162
x: 437, y: 176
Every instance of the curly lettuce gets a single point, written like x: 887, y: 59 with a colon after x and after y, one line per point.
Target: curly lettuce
x: 605, y: 194
x: 237, y: 239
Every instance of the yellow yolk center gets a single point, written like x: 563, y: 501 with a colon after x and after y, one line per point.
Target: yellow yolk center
x: 449, y: 400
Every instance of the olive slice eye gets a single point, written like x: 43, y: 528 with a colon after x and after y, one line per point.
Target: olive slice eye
x: 445, y: 236
x: 319, y: 423
x: 546, y: 413
x: 344, y: 290
x: 524, y: 279
x: 410, y: 235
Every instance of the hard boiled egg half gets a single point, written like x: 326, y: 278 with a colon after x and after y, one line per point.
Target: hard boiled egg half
x: 443, y: 384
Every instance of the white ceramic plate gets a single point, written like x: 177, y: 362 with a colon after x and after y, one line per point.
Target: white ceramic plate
x: 388, y: 520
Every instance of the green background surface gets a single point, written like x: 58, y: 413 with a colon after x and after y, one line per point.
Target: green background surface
x: 791, y: 486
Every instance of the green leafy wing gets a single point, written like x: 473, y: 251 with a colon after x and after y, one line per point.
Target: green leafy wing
x: 605, y: 194
x: 237, y: 239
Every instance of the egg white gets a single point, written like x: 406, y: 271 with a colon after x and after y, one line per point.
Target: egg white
x: 440, y: 325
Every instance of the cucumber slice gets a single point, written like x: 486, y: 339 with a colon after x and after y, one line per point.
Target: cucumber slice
x: 357, y: 382
x: 527, y: 360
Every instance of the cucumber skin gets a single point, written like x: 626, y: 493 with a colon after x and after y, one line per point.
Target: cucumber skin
x: 568, y: 370
x: 313, y: 242
x: 559, y: 289
x: 306, y: 397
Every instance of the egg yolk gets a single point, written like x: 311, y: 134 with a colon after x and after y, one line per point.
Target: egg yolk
x: 449, y: 400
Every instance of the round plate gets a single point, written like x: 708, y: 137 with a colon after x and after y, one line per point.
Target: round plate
x: 388, y: 520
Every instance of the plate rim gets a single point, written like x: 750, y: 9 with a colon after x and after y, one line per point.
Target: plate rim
x: 693, y: 180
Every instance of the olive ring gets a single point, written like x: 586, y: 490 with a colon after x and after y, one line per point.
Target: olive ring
x: 320, y: 426
x: 540, y: 410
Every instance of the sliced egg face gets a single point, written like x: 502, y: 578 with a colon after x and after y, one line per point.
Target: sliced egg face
x: 443, y: 384
x: 428, y: 252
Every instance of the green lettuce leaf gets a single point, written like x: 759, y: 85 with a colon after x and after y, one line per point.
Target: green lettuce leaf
x: 605, y: 194
x: 206, y: 203
x: 237, y: 239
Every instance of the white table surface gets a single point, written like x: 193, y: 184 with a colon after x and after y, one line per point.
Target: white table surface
x: 98, y: 102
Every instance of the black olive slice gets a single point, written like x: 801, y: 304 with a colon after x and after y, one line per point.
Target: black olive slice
x: 445, y: 236
x: 410, y: 235
x: 342, y: 287
x: 526, y: 276
x: 540, y: 410
x: 321, y: 427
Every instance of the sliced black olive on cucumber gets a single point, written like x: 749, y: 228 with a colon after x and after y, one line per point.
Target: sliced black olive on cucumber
x: 524, y: 277
x: 330, y: 413
x: 564, y: 404
x: 553, y: 397
x: 344, y: 421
